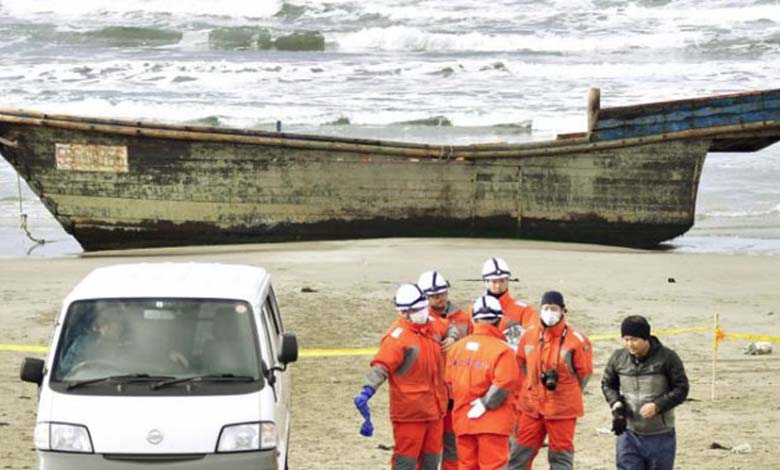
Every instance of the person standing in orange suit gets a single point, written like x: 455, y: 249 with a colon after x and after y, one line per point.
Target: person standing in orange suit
x: 436, y: 289
x: 482, y: 374
x: 556, y: 362
x: 518, y: 316
x: 410, y: 357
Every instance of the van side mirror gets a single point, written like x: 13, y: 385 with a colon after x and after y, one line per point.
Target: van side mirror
x: 32, y: 370
x: 288, y: 352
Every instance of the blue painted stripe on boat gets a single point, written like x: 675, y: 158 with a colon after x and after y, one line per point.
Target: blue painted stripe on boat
x: 699, y: 115
x: 629, y: 112
x: 678, y: 114
x: 626, y: 132
x: 695, y: 122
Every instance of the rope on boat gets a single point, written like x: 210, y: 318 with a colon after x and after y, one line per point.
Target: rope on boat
x: 23, y: 216
x: 8, y: 143
x: 450, y: 152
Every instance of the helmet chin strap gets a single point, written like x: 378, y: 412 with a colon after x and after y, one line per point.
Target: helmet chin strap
x: 497, y: 296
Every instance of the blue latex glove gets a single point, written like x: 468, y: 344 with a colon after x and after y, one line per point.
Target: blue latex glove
x: 361, y: 402
x: 367, y: 429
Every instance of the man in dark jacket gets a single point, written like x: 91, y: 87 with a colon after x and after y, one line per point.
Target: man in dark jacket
x: 642, y: 383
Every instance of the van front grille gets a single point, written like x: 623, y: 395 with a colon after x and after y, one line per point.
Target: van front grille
x: 154, y: 458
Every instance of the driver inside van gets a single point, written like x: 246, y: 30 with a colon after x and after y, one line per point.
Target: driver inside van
x: 102, y: 343
x: 107, y: 344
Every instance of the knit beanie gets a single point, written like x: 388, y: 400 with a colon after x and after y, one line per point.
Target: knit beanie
x: 636, y: 326
x: 553, y: 298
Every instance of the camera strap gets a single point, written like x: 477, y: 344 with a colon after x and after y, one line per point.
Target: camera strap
x: 560, y: 346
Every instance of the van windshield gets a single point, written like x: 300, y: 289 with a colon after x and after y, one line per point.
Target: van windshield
x: 158, y: 339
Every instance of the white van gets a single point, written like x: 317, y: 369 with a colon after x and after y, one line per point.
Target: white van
x: 169, y: 365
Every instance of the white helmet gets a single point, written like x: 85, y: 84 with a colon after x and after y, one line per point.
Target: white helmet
x: 487, y: 308
x: 410, y: 297
x: 432, y: 283
x: 495, y: 268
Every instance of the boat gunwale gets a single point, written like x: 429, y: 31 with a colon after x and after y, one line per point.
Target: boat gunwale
x: 313, y: 142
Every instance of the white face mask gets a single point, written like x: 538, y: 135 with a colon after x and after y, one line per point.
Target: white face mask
x: 550, y: 317
x: 420, y: 317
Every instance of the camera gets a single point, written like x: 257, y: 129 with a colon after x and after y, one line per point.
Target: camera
x: 550, y: 379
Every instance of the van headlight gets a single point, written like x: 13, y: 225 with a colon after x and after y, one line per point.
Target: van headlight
x: 63, y: 437
x: 247, y: 437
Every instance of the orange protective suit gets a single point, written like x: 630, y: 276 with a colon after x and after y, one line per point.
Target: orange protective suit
x: 516, y: 313
x: 411, y: 359
x: 481, y: 366
x: 460, y: 321
x: 456, y: 318
x: 546, y: 412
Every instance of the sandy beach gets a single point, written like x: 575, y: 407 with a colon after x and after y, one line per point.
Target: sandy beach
x: 350, y: 306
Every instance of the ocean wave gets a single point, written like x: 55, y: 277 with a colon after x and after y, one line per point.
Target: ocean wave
x: 411, y: 39
x: 131, y: 36
x: 301, y: 41
x: 436, y: 26
x: 240, y: 38
x: 522, y: 126
x: 741, y: 213
x: 101, y: 8
x: 339, y: 121
x: 109, y: 36
x: 391, y: 121
x: 434, y: 121
x: 742, y: 46
x: 259, y: 38
x: 209, y: 121
x: 694, y: 13
x: 290, y: 12
x: 726, y: 245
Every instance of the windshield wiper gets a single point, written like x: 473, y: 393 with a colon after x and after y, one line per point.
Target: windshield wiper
x: 204, y: 378
x: 117, y: 378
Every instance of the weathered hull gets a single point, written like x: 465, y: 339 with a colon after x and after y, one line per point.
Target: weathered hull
x: 179, y: 192
x: 115, y: 184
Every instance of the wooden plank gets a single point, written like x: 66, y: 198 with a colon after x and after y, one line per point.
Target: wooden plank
x: 645, y: 121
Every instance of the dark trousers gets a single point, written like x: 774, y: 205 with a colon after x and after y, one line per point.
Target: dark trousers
x: 640, y: 452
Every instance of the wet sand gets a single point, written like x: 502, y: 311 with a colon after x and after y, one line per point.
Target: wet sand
x: 353, y: 283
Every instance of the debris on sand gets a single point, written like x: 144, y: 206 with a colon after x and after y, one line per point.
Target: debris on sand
x: 742, y: 449
x: 739, y: 449
x: 759, y: 348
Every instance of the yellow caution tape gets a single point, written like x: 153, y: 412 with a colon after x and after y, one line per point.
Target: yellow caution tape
x: 23, y: 348
x: 335, y: 352
x: 752, y: 337
x: 669, y: 332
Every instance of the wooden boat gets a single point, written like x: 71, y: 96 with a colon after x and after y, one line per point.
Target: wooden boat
x: 630, y: 179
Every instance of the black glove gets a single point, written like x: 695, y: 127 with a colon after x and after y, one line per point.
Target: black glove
x: 619, y: 417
